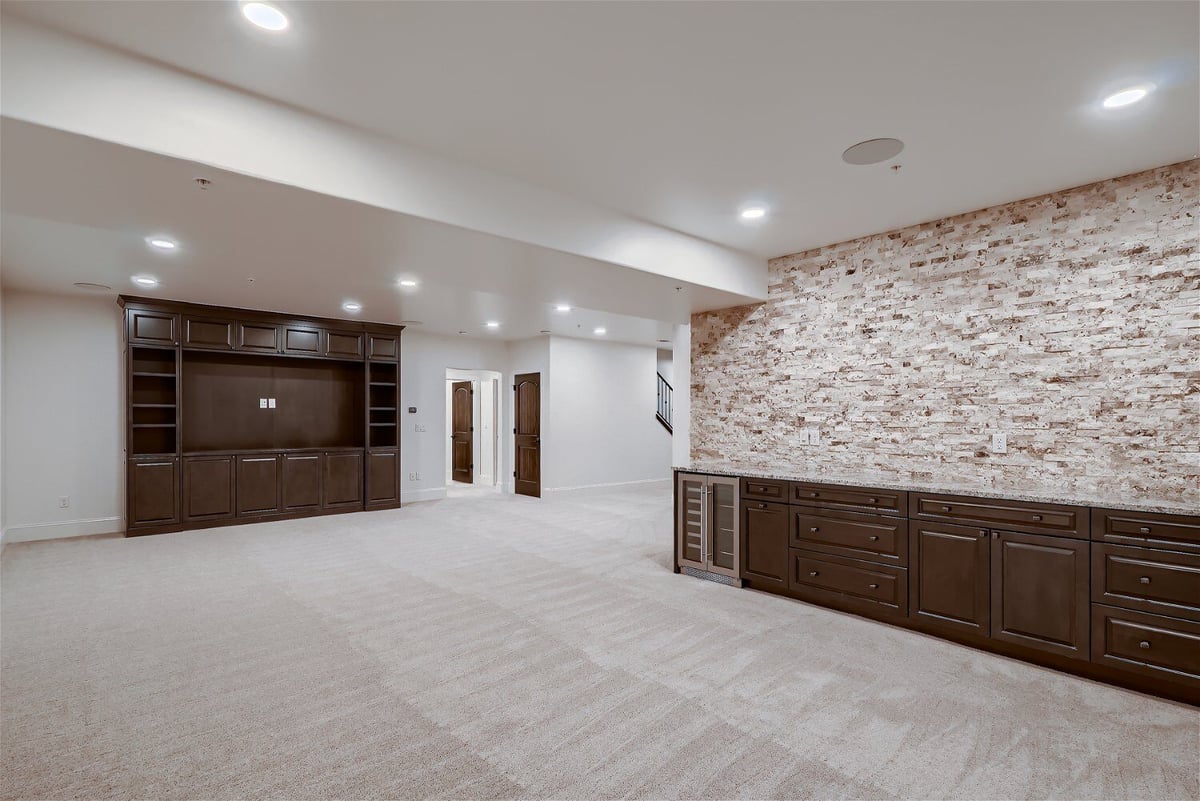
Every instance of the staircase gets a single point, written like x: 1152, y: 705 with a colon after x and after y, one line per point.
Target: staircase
x: 663, y: 412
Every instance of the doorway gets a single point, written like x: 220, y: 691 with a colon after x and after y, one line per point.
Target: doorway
x: 472, y: 431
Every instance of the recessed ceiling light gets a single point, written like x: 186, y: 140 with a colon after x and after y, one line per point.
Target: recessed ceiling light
x: 352, y: 306
x: 872, y: 151
x: 408, y: 282
x: 562, y: 307
x: 754, y: 212
x: 1128, y: 96
x: 600, y: 331
x: 265, y: 16
x: 145, y: 280
x: 161, y: 243
x: 492, y: 324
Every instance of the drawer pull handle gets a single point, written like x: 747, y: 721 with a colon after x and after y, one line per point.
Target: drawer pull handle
x: 872, y: 500
x: 1037, y: 518
x: 1144, y: 579
x: 762, y: 506
x: 945, y: 508
x: 873, y: 586
x: 815, y: 528
x: 813, y: 573
x: 1144, y: 644
x: 1144, y: 529
x: 872, y: 538
x: 815, y: 494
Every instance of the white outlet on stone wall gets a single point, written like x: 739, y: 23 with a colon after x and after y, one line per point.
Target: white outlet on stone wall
x: 802, y: 437
x: 999, y: 442
x: 814, y: 436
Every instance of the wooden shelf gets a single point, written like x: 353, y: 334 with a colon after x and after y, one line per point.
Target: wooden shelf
x: 153, y: 405
x: 393, y: 425
x: 153, y: 425
x: 153, y: 375
x: 383, y: 408
x: 383, y: 383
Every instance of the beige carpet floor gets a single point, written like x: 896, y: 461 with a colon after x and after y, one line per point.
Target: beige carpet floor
x: 502, y: 647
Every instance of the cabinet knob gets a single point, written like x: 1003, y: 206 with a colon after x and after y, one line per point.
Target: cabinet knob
x: 1037, y: 518
x: 1144, y: 644
x: 872, y: 538
x: 945, y: 508
x: 813, y: 573
x: 983, y: 532
x: 815, y: 494
x: 873, y: 586
x: 815, y: 528
x: 872, y: 500
x: 1144, y: 529
x: 1144, y: 579
x: 762, y: 506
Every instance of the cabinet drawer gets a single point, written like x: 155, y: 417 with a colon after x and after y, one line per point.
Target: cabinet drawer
x: 859, y: 536
x: 1177, y: 532
x: 1038, y: 518
x: 838, y: 497
x: 1152, y: 581
x: 1147, y: 644
x: 884, y: 585
x: 765, y: 489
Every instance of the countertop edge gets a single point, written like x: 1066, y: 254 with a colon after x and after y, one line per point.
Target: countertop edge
x: 973, y: 491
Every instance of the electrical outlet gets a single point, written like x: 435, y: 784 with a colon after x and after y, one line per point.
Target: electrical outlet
x: 63, y: 502
x: 412, y: 476
x: 802, y: 436
x: 262, y: 403
x: 999, y: 442
x: 270, y: 403
x: 814, y: 436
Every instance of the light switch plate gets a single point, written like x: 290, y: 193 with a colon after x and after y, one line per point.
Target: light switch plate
x: 999, y: 442
x: 803, y: 436
x: 262, y: 403
x: 270, y: 403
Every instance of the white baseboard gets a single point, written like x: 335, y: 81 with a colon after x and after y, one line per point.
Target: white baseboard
x: 666, y: 482
x: 62, y: 529
x: 416, y: 495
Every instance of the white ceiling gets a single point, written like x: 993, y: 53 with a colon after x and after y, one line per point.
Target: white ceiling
x: 680, y: 112
x: 79, y: 209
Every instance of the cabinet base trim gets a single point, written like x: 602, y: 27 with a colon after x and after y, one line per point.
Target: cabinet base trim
x: 704, y: 574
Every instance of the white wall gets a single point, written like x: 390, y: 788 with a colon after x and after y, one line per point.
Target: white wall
x: 424, y: 359
x: 666, y: 365
x: 62, y: 420
x: 681, y: 412
x: 599, y: 425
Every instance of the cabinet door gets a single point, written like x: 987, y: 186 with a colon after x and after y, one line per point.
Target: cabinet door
x: 724, y: 527
x: 383, y: 474
x: 344, y: 344
x: 690, y: 490
x: 302, y: 340
x: 765, y: 536
x: 343, y: 479
x: 949, y: 577
x: 1040, y: 592
x: 383, y: 347
x: 207, y: 334
x: 151, y: 328
x: 301, y: 481
x: 208, y: 487
x: 153, y: 497
x: 258, y: 484
x: 258, y: 337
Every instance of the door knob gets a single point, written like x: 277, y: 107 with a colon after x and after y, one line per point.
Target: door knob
x: 1144, y: 579
x: 1144, y: 644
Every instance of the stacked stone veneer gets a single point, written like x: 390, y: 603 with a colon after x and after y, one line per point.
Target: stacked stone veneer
x: 1069, y: 321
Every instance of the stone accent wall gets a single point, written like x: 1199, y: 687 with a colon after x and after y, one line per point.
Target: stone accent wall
x: 1070, y: 321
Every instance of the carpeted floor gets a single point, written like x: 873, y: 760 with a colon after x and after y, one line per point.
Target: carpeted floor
x: 502, y: 647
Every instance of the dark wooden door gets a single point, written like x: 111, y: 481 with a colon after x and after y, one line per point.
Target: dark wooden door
x: 527, y: 450
x: 301, y: 481
x: 258, y: 484
x: 949, y: 577
x: 1040, y: 596
x: 765, y: 535
x: 152, y: 496
x: 343, y: 479
x: 208, y: 488
x: 462, y: 429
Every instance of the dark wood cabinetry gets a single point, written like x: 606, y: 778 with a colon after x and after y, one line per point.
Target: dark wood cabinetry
x: 1040, y: 592
x: 1105, y: 593
x: 766, y: 531
x: 237, y: 415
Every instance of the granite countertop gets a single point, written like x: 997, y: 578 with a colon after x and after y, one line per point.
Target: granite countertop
x: 880, y: 480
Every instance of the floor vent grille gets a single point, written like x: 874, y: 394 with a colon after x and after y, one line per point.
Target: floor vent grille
x: 717, y: 577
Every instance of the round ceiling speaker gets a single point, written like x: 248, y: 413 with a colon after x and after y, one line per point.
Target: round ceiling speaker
x: 872, y: 151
